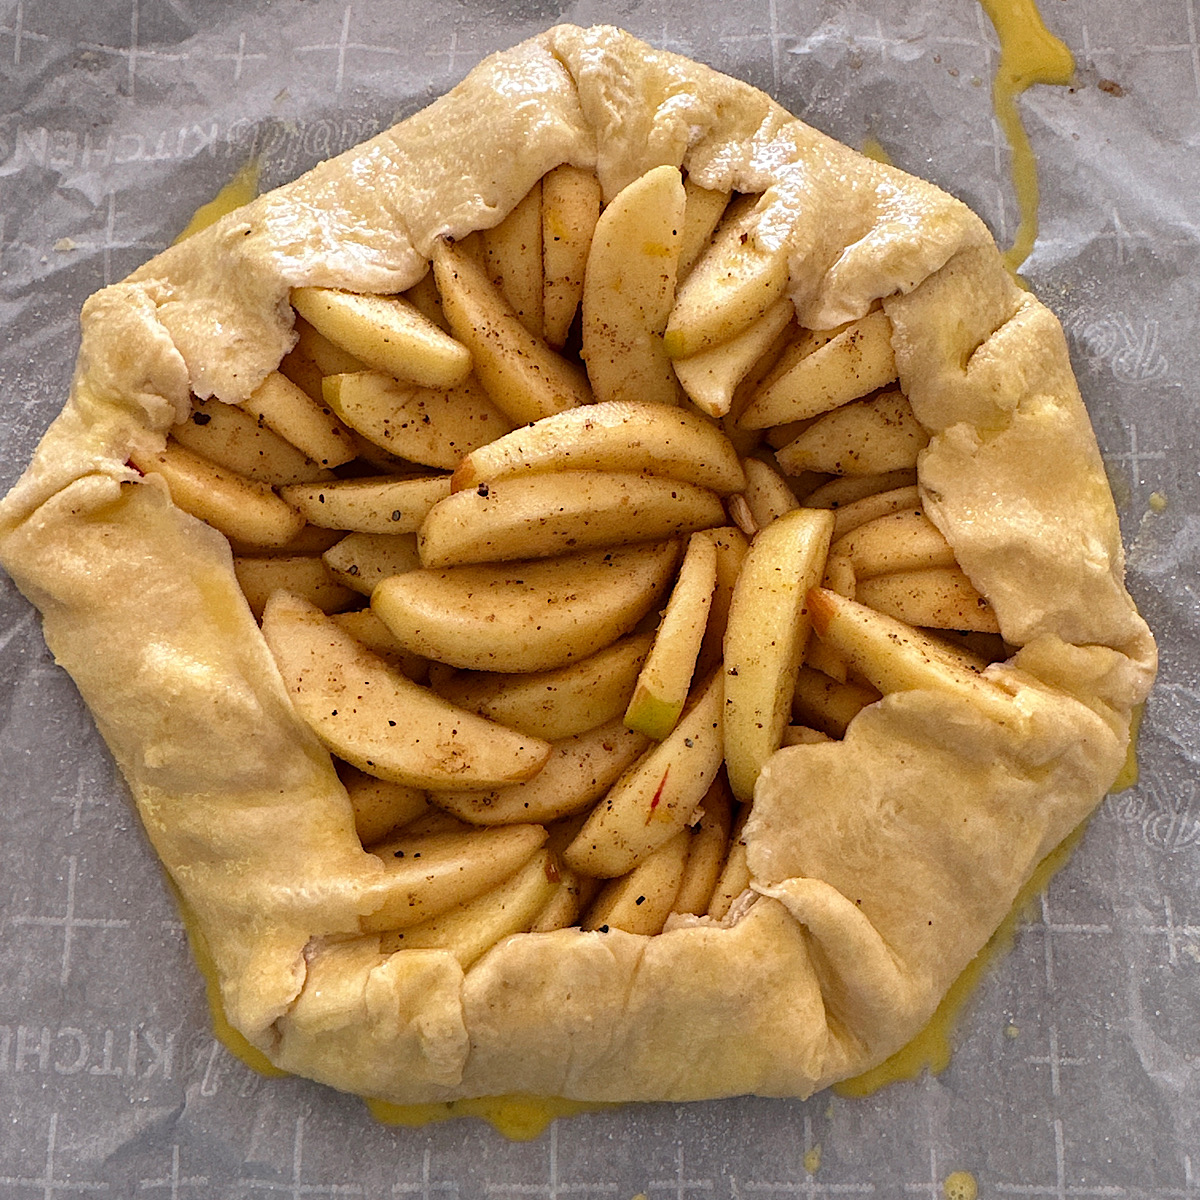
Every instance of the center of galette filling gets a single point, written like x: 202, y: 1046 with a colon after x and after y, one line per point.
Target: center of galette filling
x: 557, y: 548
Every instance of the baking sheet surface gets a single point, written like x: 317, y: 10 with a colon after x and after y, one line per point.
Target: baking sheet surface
x: 1077, y: 1069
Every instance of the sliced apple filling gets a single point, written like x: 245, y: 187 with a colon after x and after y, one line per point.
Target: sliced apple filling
x: 539, y: 548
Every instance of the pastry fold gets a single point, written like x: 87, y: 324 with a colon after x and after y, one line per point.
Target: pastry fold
x: 880, y: 864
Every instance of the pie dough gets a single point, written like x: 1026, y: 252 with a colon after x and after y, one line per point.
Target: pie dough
x: 881, y: 864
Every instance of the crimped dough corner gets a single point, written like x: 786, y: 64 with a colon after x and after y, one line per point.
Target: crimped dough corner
x: 881, y: 864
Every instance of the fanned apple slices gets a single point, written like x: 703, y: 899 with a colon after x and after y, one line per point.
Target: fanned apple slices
x: 538, y: 548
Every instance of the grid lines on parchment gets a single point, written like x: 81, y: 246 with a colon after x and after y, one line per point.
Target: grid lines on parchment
x: 87, y: 793
x: 428, y: 1186
x: 680, y: 1186
x: 48, y: 1182
x: 107, y: 245
x: 1135, y: 457
x: 68, y: 921
x: 295, y: 1186
x: 17, y: 31
x: 1172, y: 930
x: 555, y: 1186
x: 1190, y: 46
x: 1054, y: 1059
x: 1049, y: 930
x: 174, y: 1182
x: 240, y: 57
x: 811, y: 1185
x: 135, y: 51
x: 772, y: 35
x: 343, y: 45
x: 1118, y: 50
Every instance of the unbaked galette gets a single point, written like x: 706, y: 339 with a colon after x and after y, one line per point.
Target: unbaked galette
x: 600, y: 591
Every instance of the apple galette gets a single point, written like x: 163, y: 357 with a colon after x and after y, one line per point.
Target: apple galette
x: 600, y: 591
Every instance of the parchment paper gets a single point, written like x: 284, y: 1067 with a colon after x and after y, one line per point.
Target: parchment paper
x: 1077, y: 1071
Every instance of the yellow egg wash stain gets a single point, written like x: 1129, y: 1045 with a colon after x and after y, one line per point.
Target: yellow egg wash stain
x: 1158, y: 502
x: 518, y: 1118
x: 961, y: 1185
x: 812, y: 1159
x: 932, y: 1047
x: 241, y: 189
x: 230, y: 1038
x: 873, y: 149
x: 1029, y: 54
x: 1128, y: 775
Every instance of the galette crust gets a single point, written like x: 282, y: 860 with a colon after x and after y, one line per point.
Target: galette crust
x: 881, y: 864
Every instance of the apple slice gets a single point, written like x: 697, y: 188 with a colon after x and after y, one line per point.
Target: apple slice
x: 310, y: 540
x: 665, y: 680
x: 575, y: 892
x: 470, y: 930
x: 629, y: 288
x: 423, y: 296
x: 327, y: 357
x: 827, y: 704
x: 710, y: 844
x: 432, y: 426
x: 841, y: 492
x: 364, y: 626
x: 512, y: 257
x: 625, y: 436
x: 658, y: 795
x: 297, y: 368
x: 731, y: 546
x: 938, y: 598
x: 521, y: 374
x: 853, y: 363
x: 304, y: 574
x: 642, y: 901
x: 380, y: 806
x: 711, y: 377
x: 702, y: 213
x: 539, y: 516
x: 310, y: 426
x: 579, y: 771
x: 379, y: 721
x: 571, y: 897
x: 556, y: 704
x: 570, y: 209
x: 432, y: 873
x: 850, y: 516
x: 735, y: 281
x: 895, y: 657
x: 241, y: 509
x: 230, y: 438
x: 802, y: 735
x: 434, y: 820
x: 734, y: 879
x: 385, y: 333
x: 767, y: 494
x: 362, y: 560
x: 764, y: 368
x: 528, y: 616
x: 820, y: 655
x: 381, y: 504
x: 765, y: 639
x: 867, y: 437
x: 901, y: 541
